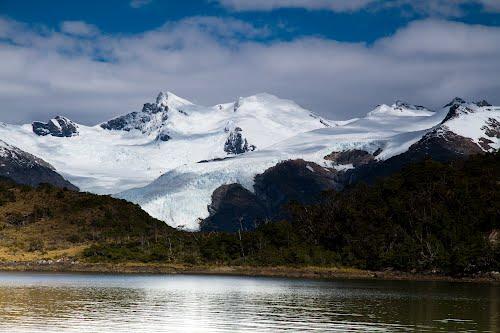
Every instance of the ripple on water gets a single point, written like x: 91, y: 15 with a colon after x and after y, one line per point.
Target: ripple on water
x: 147, y: 303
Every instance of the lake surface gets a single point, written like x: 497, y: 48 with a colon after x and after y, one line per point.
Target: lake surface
x: 38, y: 302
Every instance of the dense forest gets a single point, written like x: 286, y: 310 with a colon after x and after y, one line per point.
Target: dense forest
x: 431, y: 216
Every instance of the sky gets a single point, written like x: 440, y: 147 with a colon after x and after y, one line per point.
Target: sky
x: 93, y: 60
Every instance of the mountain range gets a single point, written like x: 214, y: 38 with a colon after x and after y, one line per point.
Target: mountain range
x: 185, y: 163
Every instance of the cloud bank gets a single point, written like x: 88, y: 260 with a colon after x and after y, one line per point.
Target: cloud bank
x: 268, y: 5
x: 139, y: 3
x: 208, y: 60
x: 79, y: 28
x: 427, y: 7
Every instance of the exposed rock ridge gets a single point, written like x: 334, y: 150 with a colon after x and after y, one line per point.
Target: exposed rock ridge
x: 59, y: 127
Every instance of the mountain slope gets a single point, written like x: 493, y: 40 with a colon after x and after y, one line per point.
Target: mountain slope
x: 24, y: 168
x: 182, y: 195
x: 172, y: 155
x: 47, y: 222
x: 134, y: 149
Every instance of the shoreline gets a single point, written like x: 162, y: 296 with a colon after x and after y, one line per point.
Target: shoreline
x: 310, y: 272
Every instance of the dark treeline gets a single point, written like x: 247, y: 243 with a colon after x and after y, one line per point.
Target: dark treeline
x: 429, y: 217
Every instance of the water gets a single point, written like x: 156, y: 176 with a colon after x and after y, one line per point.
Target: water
x: 36, y: 302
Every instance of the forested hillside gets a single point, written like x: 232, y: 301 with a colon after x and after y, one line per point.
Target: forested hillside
x: 431, y: 216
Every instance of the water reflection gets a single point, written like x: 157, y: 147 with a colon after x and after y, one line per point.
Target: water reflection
x: 144, y: 303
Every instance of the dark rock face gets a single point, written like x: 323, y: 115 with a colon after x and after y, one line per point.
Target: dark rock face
x: 482, y: 103
x: 24, y: 168
x: 139, y: 120
x: 455, y: 101
x: 355, y: 157
x: 128, y: 122
x: 237, y: 104
x: 303, y: 181
x: 485, y: 143
x: 400, y: 105
x: 164, y: 137
x: 446, y: 142
x: 236, y: 144
x: 293, y: 180
x: 492, y: 128
x: 233, y: 208
x: 439, y: 144
x: 456, y: 107
x: 217, y: 159
x: 59, y: 126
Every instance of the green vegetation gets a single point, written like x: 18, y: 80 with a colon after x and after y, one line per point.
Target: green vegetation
x: 429, y: 217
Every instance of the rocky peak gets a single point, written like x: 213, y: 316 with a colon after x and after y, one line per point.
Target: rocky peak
x: 161, y: 100
x: 400, y: 109
x: 456, y: 107
x: 399, y: 105
x: 149, y: 119
x: 482, y: 103
x: 152, y: 117
x: 236, y: 143
x: 160, y: 105
x: 58, y: 126
x: 237, y: 104
x: 455, y: 101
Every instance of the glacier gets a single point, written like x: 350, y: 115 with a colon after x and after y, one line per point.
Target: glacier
x: 170, y: 156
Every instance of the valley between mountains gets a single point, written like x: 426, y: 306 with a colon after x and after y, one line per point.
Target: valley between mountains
x: 223, y: 167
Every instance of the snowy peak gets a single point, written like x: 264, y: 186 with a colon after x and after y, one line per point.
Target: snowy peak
x: 149, y: 119
x: 272, y: 108
x: 58, y: 126
x: 169, y: 135
x: 482, y: 103
x: 171, y: 100
x: 400, y: 109
x: 455, y: 101
x: 152, y: 117
x: 161, y: 100
x: 458, y: 107
x: 479, y: 122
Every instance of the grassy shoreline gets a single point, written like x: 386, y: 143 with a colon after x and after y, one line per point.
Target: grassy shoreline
x: 310, y: 272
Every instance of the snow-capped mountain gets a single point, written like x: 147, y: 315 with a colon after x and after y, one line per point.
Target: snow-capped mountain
x: 181, y: 195
x: 172, y: 155
x: 477, y: 121
x: 27, y: 169
x: 134, y: 149
x: 400, y: 109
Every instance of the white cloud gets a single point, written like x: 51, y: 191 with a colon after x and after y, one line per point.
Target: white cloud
x: 139, y: 3
x: 79, y: 28
x: 335, y: 5
x: 450, y: 8
x: 210, y: 60
x: 491, y: 5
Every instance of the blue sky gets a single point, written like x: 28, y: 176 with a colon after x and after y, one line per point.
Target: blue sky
x: 119, y: 16
x: 92, y: 60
